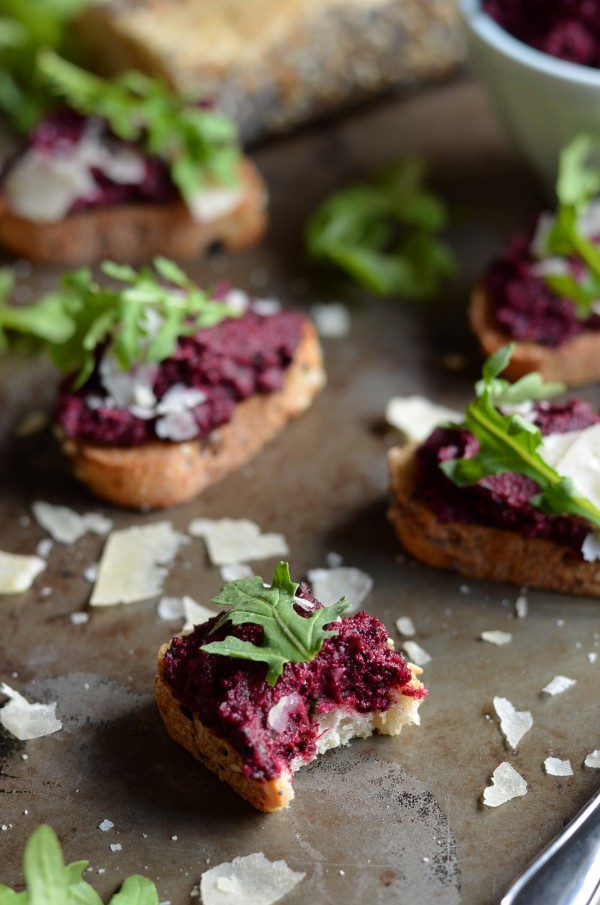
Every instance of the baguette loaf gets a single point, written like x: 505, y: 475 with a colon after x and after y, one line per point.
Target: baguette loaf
x: 134, y: 233
x: 159, y: 474
x: 272, y: 64
x: 218, y: 755
x: 478, y: 551
x: 575, y: 363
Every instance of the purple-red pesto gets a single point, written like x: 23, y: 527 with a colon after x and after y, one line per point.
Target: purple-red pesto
x: 229, y: 362
x: 500, y: 501
x: 355, y: 670
x: 526, y: 309
x: 567, y: 29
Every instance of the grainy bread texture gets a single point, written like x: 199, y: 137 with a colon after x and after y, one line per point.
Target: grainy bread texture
x: 271, y: 64
x: 159, y: 474
x: 575, y: 363
x: 133, y: 233
x: 477, y: 551
x: 219, y: 756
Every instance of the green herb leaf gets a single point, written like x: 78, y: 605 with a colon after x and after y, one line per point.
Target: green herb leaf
x: 70, y: 323
x: 530, y: 388
x: 288, y: 637
x: 509, y: 443
x: 383, y: 233
x: 199, y: 145
x: 136, y: 890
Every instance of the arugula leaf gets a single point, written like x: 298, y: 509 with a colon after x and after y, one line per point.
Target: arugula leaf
x: 198, y: 144
x: 382, y: 233
x: 288, y: 637
x: 51, y: 882
x: 70, y: 323
x: 530, y: 388
x: 509, y: 443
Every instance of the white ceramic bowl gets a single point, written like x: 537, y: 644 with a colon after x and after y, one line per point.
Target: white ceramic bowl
x: 543, y: 101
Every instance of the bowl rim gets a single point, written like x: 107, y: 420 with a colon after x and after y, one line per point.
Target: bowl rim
x: 489, y: 32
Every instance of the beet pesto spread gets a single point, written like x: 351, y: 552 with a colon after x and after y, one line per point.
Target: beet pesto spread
x: 189, y: 394
x: 503, y: 500
x: 273, y: 725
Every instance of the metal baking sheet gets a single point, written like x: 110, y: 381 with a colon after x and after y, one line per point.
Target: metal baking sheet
x: 386, y: 820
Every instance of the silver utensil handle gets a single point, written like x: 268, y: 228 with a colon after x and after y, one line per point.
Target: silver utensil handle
x: 568, y: 871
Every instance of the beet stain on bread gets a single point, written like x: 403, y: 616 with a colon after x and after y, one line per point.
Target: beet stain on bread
x: 254, y: 702
x: 542, y: 292
x: 178, y: 387
x: 509, y: 494
x: 127, y: 171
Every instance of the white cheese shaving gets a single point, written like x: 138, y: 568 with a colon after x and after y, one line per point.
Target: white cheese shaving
x: 170, y: 609
x: 237, y: 540
x: 542, y: 231
x: 18, y: 572
x: 133, y: 563
x: 329, y: 585
x: 237, y: 299
x: 235, y: 570
x: 506, y: 785
x: 79, y: 618
x: 266, y: 307
x: 212, y: 202
x: 593, y: 760
x: 521, y: 606
x: 554, y: 766
x: 415, y: 653
x: 406, y: 626
x: 251, y: 880
x: 177, y: 426
x: 559, y: 684
x: 514, y: 724
x: 576, y: 455
x: 496, y: 637
x: 44, y: 547
x: 279, y: 714
x: 25, y: 720
x: 332, y: 320
x: 128, y: 389
x: 65, y: 525
x: 195, y: 613
x: 417, y: 417
x: 590, y: 548
x: 551, y: 267
x: 105, y: 825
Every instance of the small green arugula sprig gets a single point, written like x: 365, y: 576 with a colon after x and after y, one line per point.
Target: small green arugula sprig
x: 577, y: 185
x: 383, y: 233
x: 51, y: 882
x: 198, y: 144
x: 288, y: 637
x: 510, y: 443
x: 142, y: 319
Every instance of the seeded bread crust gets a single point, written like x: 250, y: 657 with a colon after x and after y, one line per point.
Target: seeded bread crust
x: 133, y: 233
x: 186, y: 728
x: 577, y: 362
x: 477, y: 551
x: 159, y: 474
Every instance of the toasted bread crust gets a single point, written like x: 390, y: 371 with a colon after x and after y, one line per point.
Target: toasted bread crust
x: 477, y: 551
x: 159, y: 474
x: 132, y: 233
x: 575, y: 363
x: 215, y: 753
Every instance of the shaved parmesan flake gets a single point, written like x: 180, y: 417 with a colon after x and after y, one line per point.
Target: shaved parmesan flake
x: 237, y: 540
x: 574, y: 456
x: 521, y: 606
x: 67, y: 526
x: 170, y: 609
x: 279, y: 714
x: 44, y: 547
x: 406, y: 626
x: 331, y: 320
x: 593, y: 760
x: 212, y: 202
x: 17, y: 572
x: 106, y: 825
x: 416, y: 416
x: 251, y: 880
x: 25, y: 720
x: 415, y: 653
x: 195, y: 613
x: 79, y: 618
x: 506, y: 785
x: 329, y: 585
x: 496, y: 637
x: 558, y: 685
x: 133, y: 563
x: 513, y: 724
x: 235, y: 571
x: 554, y: 766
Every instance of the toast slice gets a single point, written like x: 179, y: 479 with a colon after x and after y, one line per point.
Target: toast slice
x: 133, y: 233
x: 478, y: 551
x: 575, y: 363
x: 160, y: 474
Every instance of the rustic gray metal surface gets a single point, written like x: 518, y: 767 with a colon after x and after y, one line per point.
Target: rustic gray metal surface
x: 387, y: 820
